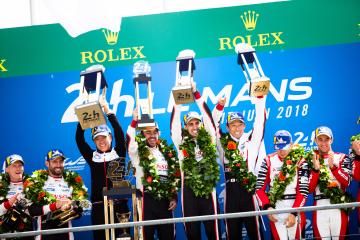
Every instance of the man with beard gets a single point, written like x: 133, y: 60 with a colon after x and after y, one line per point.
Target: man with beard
x: 12, y: 183
x: 337, y: 169
x: 98, y: 161
x: 199, y: 168
x: 157, y: 177
x: 50, y: 191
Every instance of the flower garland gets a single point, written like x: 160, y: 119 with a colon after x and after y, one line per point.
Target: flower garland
x: 287, y: 173
x: 327, y: 187
x: 23, y: 224
x: 238, y: 165
x: 200, y: 176
x: 34, y: 187
x: 152, y: 182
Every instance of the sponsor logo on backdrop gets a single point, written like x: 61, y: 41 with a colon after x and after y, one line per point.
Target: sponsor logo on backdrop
x: 249, y: 20
x: 75, y: 165
x: 112, y: 54
x: 111, y: 37
x: 291, y: 92
x: 2, y: 65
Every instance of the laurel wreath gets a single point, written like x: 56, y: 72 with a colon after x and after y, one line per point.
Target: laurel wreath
x: 24, y: 224
x: 328, y: 187
x: 34, y: 187
x: 286, y: 174
x: 154, y: 184
x: 200, y: 176
x: 238, y: 164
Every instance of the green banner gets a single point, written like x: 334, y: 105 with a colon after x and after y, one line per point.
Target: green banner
x: 158, y: 38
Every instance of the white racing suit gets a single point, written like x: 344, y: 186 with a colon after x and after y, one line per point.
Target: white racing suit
x: 294, y: 196
x: 191, y: 204
x: 237, y: 199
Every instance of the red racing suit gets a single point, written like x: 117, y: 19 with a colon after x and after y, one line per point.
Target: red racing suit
x: 332, y: 222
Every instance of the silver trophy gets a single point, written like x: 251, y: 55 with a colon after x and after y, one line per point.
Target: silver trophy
x: 254, y: 75
x: 92, y: 87
x: 185, y: 66
x: 142, y: 77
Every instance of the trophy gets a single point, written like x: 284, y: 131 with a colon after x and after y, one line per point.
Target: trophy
x: 185, y: 66
x: 142, y: 77
x: 123, y: 218
x: 17, y: 217
x: 60, y: 217
x: 121, y: 188
x: 92, y: 81
x: 259, y: 83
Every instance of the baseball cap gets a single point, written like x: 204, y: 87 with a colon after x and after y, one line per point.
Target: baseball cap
x: 54, y: 153
x: 322, y: 130
x: 282, y: 140
x: 190, y: 116
x: 12, y: 159
x: 101, y: 130
x: 235, y: 116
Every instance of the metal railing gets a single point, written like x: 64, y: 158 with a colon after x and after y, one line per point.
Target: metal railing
x: 178, y: 220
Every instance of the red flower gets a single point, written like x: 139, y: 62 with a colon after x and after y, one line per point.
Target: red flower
x: 149, y: 179
x: 158, y: 142
x: 238, y: 165
x: 21, y: 226
x: 231, y: 145
x: 288, y: 162
x: 78, y: 179
x: 185, y: 153
x: 177, y: 173
x: 245, y: 181
x: 41, y: 195
x: 282, y: 177
x: 170, y: 155
x: 332, y: 184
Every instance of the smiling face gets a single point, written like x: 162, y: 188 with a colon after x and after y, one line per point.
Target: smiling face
x: 103, y: 143
x: 15, y: 171
x: 55, y: 166
x: 152, y: 135
x: 324, y: 143
x: 193, y: 127
x: 236, y: 128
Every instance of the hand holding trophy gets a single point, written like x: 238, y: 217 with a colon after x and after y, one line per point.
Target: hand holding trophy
x: 142, y: 77
x: 92, y: 81
x: 182, y: 92
x: 247, y: 59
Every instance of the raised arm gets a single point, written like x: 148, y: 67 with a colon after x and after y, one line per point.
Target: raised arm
x: 257, y: 133
x: 175, y: 126
x: 82, y: 145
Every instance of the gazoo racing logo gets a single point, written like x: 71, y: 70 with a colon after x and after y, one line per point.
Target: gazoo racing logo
x: 75, y: 165
x: 249, y: 20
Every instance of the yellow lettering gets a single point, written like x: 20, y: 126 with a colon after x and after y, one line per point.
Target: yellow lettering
x: 223, y: 42
x: 235, y: 40
x: 263, y: 39
x: 277, y: 38
x: 248, y: 38
x: 124, y: 53
x: 2, y: 68
x: 86, y: 55
x: 138, y: 52
x: 102, y: 54
x: 111, y: 58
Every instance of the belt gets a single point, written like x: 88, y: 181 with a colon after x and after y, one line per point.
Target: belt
x: 288, y: 196
x: 319, y: 197
x: 231, y: 180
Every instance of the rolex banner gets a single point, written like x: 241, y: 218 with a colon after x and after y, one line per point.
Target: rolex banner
x: 309, y: 49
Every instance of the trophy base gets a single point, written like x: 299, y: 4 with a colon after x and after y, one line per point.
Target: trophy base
x: 121, y: 184
x: 90, y: 115
x: 124, y: 238
x: 260, y: 87
x: 183, y: 94
x: 144, y: 123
